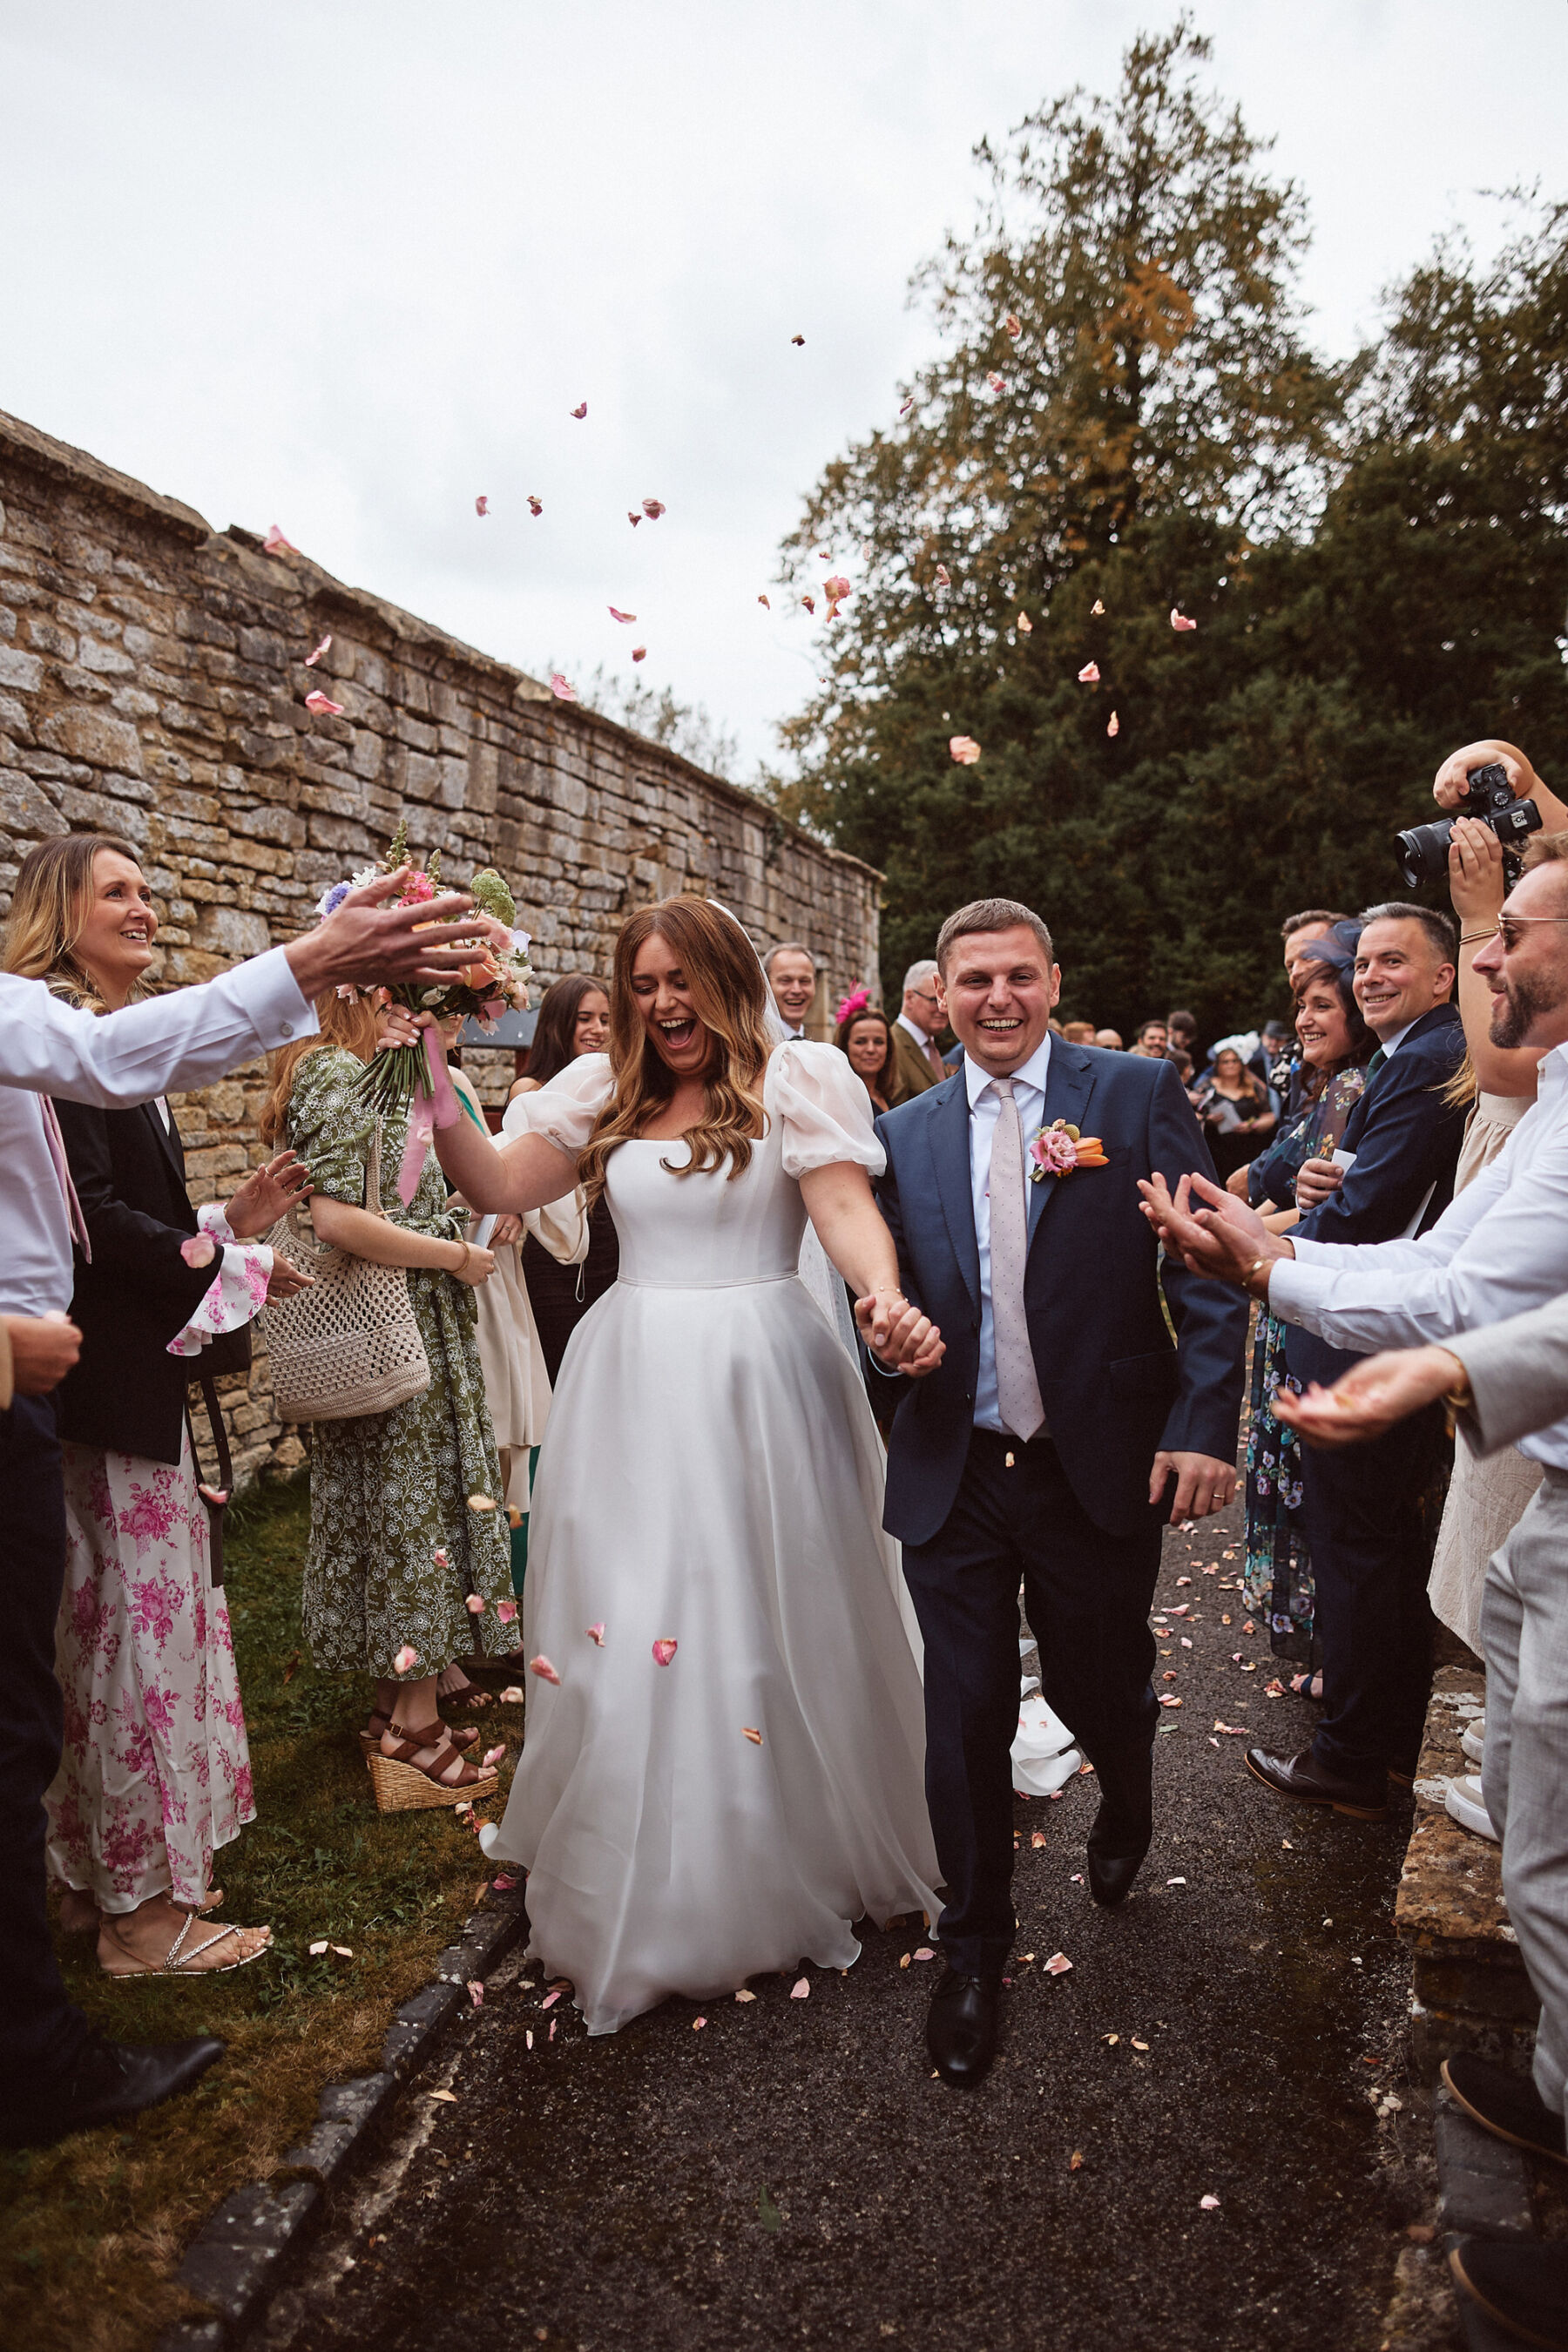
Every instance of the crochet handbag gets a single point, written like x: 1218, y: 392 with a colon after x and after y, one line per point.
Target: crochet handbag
x: 350, y: 1345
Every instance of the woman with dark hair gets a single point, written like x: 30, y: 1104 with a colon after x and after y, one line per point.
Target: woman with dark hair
x: 1238, y: 1112
x: 573, y: 1020
x: 1336, y: 1045
x: 710, y: 1486
x: 865, y: 1041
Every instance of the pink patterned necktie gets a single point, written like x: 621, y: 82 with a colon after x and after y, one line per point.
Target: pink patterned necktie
x: 57, y: 1144
x: 1018, y: 1389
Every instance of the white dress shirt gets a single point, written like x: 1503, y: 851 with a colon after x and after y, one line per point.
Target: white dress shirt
x: 1501, y: 1248
x: 113, y: 1060
x: 1029, y: 1094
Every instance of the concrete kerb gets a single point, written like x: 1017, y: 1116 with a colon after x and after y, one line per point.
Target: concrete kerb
x: 243, y: 2252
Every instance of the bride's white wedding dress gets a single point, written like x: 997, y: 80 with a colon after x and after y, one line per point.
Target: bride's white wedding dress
x: 711, y: 1479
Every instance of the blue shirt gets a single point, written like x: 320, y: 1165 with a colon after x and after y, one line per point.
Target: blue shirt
x: 1029, y: 1094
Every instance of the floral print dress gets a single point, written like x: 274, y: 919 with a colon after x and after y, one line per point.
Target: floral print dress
x: 398, y: 1558
x: 1277, y: 1579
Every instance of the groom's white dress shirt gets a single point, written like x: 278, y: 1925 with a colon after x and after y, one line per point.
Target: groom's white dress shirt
x: 1501, y: 1247
x: 114, y: 1060
x: 985, y: 1102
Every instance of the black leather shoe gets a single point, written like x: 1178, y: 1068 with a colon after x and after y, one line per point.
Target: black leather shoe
x: 1110, y: 1876
x: 1301, y: 1778
x: 961, y: 2028
x: 1506, y: 2104
x: 107, y: 2080
x: 1525, y: 2288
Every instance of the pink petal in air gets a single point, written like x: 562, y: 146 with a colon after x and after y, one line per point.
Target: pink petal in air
x: 535, y: 506
x: 763, y: 599
x: 198, y: 1249
x: 964, y: 749
x: 581, y: 411
x: 543, y: 1669
x: 653, y: 509
x: 1089, y: 674
x: 997, y: 383
x: 407, y: 1658
x: 639, y: 653
x: 908, y: 404
x: 1014, y: 324
x: 663, y: 1651
x: 561, y: 688
x: 1113, y: 725
x: 481, y: 506
x: 633, y: 517
x: 944, y: 579
x: 615, y: 615
x: 318, y: 701
x: 276, y: 544
x: 797, y: 338
x: 596, y: 1634
x: 810, y: 604
x: 476, y: 1600
x: 1097, y: 607
x: 507, y: 1611
x: 314, y: 658
x: 1025, y: 626
x: 754, y: 1736
x: 1180, y: 622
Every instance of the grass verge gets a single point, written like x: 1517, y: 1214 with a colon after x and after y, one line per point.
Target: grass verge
x: 93, y: 2230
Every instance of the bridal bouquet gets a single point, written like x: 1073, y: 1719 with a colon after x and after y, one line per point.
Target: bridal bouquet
x: 403, y: 1078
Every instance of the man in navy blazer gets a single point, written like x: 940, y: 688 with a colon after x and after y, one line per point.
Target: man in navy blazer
x: 1060, y: 1427
x: 1372, y: 1512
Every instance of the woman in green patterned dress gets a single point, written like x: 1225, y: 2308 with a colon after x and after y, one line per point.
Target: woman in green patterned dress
x: 409, y: 1551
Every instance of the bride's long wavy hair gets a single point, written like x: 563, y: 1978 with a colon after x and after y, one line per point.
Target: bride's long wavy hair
x: 726, y: 985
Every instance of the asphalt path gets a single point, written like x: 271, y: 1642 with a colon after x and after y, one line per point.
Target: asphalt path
x: 789, y: 2171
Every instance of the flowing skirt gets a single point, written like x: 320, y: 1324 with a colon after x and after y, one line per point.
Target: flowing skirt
x: 711, y: 1479
x: 155, y: 1773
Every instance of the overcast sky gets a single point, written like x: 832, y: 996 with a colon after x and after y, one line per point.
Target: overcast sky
x: 346, y: 266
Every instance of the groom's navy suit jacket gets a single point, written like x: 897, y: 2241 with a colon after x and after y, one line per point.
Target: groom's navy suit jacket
x: 1114, y: 1387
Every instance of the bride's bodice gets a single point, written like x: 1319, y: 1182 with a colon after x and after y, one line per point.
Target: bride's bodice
x: 711, y: 1230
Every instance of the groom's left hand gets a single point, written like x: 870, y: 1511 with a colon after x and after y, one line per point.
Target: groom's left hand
x: 902, y: 1338
x: 1204, y: 1483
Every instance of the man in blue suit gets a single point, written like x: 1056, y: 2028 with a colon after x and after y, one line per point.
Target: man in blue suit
x: 1060, y: 1427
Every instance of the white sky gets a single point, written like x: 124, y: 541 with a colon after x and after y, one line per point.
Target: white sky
x: 346, y: 265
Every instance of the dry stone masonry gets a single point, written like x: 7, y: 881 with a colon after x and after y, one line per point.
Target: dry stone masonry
x: 152, y: 684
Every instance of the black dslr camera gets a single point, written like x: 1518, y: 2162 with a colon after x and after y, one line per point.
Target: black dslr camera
x: 1423, y: 850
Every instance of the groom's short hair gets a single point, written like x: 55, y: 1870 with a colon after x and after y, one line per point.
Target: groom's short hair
x: 990, y: 915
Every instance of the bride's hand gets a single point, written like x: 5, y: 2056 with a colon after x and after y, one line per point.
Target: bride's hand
x: 897, y: 1334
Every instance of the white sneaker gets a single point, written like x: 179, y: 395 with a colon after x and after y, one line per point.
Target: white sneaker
x: 1473, y: 1739
x: 1467, y: 1806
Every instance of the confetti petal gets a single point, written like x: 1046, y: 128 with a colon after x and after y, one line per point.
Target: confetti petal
x: 343, y: 1951
x: 797, y: 338
x: 1038, y: 1838
x: 754, y: 1736
x: 407, y: 1658
x: 1089, y: 674
x: 481, y: 1502
x: 476, y: 1992
x: 664, y: 1650
x: 543, y: 1669
x: 1057, y: 1965
x: 745, y: 1995
x: 527, y: 2038
x: 447, y: 2098
x: 481, y: 506
x: 810, y: 604
x: 317, y: 701
x: 639, y: 653
x: 763, y: 599
x: 276, y: 544
x: 581, y: 409
x: 633, y: 517
x: 316, y: 1949
x: 535, y: 506
x: 476, y: 1600
x: 1075, y: 2162
x: 997, y: 383
x: 560, y: 689
x: 550, y: 1999
x: 1208, y: 2204
x: 1113, y: 725
x: 617, y: 616
x: 907, y: 406
x: 923, y: 1952
x: 596, y: 1634
x: 653, y: 509
x: 494, y: 1754
x: 1097, y: 608
x: 1180, y: 622
x: 1025, y: 626
x: 507, y: 1611
x: 198, y: 1249
x: 800, y: 1989
x: 504, y: 1881
x: 312, y: 658
x: 512, y: 1695
x: 943, y: 577
x: 964, y: 749
x: 1014, y: 324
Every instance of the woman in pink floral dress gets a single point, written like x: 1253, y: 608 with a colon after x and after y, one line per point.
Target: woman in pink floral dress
x: 155, y: 1773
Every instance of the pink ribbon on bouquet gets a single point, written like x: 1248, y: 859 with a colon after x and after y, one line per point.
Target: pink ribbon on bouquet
x: 426, y: 1112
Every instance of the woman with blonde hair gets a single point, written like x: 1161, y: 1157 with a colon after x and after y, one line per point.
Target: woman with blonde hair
x: 154, y: 1772
x: 405, y: 1574
x: 723, y: 1768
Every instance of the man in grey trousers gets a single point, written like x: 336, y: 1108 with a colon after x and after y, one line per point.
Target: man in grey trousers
x: 1504, y: 1382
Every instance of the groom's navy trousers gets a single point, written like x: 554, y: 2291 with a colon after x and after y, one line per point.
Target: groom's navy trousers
x: 1071, y: 1520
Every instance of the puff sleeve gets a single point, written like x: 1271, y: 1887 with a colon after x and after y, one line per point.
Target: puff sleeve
x: 564, y: 1110
x: 823, y: 1109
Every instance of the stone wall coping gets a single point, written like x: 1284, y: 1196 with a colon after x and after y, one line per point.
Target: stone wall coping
x: 64, y: 462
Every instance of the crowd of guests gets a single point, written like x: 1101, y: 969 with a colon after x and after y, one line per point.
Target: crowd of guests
x: 1417, y: 1041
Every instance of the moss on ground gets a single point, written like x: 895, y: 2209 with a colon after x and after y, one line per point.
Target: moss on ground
x: 93, y: 2230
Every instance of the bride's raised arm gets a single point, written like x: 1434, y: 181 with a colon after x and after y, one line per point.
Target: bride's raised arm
x: 536, y: 1166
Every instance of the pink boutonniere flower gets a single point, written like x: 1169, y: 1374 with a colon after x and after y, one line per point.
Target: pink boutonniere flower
x: 1058, y: 1148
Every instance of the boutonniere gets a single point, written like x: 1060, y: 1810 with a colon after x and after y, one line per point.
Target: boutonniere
x: 1058, y: 1148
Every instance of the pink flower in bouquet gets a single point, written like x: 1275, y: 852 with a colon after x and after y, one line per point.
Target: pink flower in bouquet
x: 417, y: 888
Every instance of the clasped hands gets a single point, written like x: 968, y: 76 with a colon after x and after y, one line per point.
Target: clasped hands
x: 1222, y: 1238
x: 902, y: 1338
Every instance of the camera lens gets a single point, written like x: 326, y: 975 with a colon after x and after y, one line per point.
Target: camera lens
x: 1423, y: 852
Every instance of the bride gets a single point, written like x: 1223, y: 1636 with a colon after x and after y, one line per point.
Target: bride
x: 725, y: 1744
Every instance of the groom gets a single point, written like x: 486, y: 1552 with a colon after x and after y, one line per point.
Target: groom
x: 1059, y: 1429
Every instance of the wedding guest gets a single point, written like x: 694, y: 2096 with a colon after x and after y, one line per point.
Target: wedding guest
x: 1181, y: 1031
x: 1150, y: 1042
x: 791, y: 975
x: 1297, y: 931
x: 916, y: 1028
x: 1237, y: 1111
x: 1277, y: 1579
x: 571, y: 1257
x: 865, y: 1039
x: 1079, y: 1033
x: 1108, y: 1040
x: 155, y: 1773
x: 395, y: 1553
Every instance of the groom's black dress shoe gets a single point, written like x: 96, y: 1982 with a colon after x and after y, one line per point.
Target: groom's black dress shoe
x: 1303, y: 1777
x: 1115, y: 1856
x: 105, y: 2081
x: 961, y: 2027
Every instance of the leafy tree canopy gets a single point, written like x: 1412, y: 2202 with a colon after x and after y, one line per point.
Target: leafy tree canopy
x: 1123, y: 417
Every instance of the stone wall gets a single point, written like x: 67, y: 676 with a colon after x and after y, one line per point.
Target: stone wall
x: 151, y: 683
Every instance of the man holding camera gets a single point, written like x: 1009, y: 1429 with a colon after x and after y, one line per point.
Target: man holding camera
x: 1370, y: 1515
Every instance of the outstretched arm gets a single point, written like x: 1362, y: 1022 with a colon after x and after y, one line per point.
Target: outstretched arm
x: 840, y: 1203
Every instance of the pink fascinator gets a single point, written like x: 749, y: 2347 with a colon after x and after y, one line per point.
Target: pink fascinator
x: 855, y: 1001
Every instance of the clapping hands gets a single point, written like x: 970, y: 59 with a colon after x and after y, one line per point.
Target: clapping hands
x: 1210, y: 1231
x: 902, y: 1338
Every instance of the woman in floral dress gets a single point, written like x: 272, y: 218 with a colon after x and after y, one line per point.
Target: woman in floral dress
x: 1335, y: 1046
x: 409, y: 1563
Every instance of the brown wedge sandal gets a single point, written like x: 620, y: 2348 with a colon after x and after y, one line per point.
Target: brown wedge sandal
x: 403, y: 1786
x: 460, y: 1735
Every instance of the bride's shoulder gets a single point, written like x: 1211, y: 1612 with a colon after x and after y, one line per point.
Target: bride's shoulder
x: 565, y: 1108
